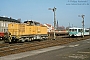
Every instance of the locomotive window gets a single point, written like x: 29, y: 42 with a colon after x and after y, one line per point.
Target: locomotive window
x: 31, y: 23
x: 37, y: 24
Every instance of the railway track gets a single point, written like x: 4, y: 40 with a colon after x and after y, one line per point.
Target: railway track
x: 8, y: 49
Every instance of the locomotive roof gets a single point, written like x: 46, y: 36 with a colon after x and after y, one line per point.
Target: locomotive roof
x: 31, y: 21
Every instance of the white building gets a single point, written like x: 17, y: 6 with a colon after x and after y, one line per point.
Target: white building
x: 4, y: 21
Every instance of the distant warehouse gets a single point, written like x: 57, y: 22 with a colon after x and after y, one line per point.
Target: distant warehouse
x: 4, y: 21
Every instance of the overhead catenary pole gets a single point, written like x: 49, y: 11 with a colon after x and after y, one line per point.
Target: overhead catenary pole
x: 69, y: 24
x: 82, y: 23
x: 54, y: 9
x: 89, y: 31
x: 57, y: 24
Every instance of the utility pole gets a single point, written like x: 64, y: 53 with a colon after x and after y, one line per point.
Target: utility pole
x: 82, y: 22
x: 89, y: 31
x: 57, y: 24
x: 54, y: 9
x: 69, y: 25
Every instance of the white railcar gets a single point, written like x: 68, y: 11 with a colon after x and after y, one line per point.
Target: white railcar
x: 78, y: 31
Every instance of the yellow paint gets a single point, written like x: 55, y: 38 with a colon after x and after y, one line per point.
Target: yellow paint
x: 24, y: 29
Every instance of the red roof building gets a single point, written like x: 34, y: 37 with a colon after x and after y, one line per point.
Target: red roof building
x: 50, y: 28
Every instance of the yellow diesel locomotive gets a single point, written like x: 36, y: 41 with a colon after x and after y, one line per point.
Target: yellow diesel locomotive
x: 27, y: 31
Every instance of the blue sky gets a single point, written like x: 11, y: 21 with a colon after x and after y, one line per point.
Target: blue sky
x: 38, y: 10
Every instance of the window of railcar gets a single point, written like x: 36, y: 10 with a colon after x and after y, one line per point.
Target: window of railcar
x: 86, y: 30
x: 72, y: 29
x: 69, y: 29
x: 79, y: 30
x: 75, y: 30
